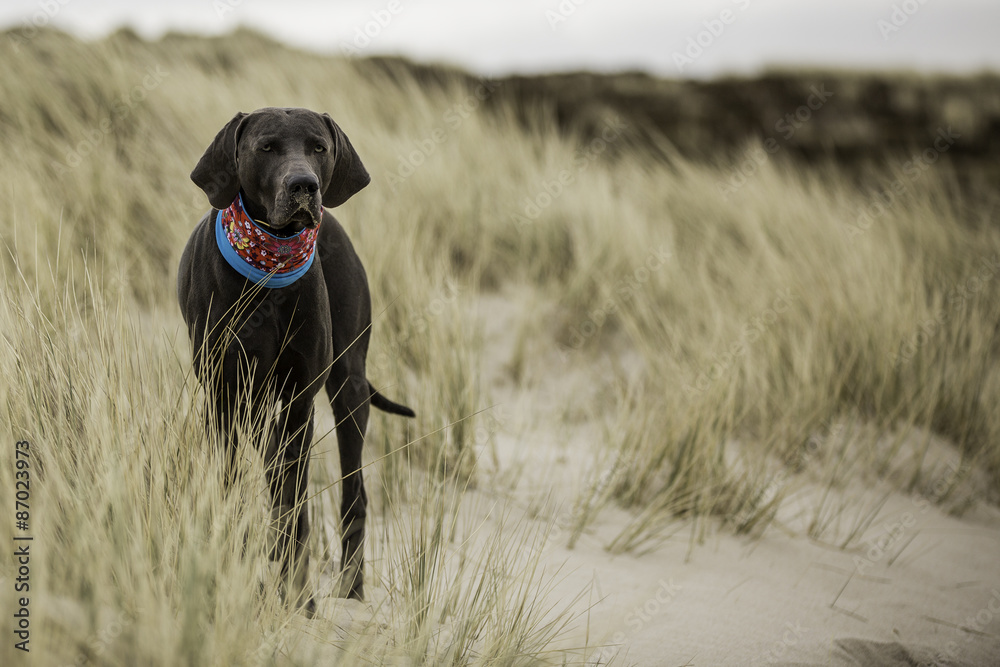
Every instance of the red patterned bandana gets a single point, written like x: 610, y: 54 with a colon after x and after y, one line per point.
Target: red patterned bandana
x: 280, y: 260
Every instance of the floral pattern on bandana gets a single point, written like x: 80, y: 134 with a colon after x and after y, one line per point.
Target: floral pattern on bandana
x: 263, y: 250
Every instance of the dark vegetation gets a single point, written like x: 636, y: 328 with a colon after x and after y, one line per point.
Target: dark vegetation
x: 868, y: 121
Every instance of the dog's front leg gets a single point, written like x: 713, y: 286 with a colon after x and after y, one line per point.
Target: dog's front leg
x: 221, y: 420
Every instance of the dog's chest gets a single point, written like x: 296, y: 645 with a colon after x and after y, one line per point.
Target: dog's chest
x: 286, y: 327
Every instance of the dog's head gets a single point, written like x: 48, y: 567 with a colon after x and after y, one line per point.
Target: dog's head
x: 290, y: 162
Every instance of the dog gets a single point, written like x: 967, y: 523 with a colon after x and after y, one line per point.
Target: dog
x: 270, y: 325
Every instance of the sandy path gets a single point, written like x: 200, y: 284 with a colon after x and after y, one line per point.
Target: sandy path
x: 919, y: 588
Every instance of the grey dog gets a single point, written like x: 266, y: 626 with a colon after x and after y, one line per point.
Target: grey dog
x: 256, y: 345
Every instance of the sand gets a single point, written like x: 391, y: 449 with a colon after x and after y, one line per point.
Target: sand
x: 918, y: 587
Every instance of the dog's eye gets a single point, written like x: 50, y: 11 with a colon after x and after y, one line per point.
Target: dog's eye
x: 320, y: 148
x: 266, y: 148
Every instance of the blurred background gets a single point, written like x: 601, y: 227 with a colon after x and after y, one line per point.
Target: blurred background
x: 706, y: 76
x: 557, y: 35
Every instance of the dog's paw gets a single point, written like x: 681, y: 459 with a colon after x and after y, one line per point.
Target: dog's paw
x: 352, y: 585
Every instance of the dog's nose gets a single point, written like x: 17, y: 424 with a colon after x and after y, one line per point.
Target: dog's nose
x: 302, y: 184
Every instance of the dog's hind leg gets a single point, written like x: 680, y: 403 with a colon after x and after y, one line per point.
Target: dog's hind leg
x: 350, y: 398
x: 287, y: 464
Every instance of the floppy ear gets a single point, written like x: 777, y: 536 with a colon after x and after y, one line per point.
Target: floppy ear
x: 215, y: 172
x: 349, y: 175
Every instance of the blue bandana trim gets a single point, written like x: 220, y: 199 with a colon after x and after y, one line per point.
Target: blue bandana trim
x: 251, y: 272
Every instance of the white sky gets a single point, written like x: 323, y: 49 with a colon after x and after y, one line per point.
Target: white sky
x: 522, y: 36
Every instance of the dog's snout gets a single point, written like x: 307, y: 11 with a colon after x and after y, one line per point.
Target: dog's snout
x: 302, y: 184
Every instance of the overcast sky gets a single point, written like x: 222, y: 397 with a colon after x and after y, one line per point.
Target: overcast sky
x: 680, y: 38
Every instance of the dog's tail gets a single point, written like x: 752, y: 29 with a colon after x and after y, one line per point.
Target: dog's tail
x: 384, y: 404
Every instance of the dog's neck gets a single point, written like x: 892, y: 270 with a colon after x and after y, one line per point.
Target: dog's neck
x: 259, y: 255
x: 258, y: 213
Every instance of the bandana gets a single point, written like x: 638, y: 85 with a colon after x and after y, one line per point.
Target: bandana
x: 258, y: 255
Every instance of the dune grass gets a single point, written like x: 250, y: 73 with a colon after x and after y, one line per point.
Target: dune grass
x: 762, y: 339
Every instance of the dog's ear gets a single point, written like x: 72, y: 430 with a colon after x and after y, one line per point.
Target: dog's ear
x: 216, y: 172
x: 349, y: 175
